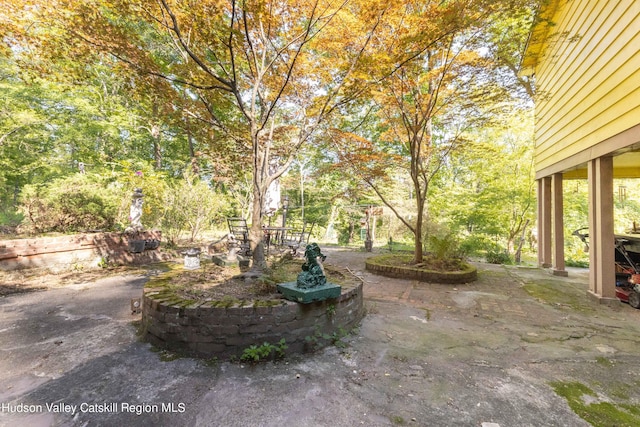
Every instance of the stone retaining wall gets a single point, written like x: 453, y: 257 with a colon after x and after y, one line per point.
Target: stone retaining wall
x: 67, y: 250
x: 203, y: 330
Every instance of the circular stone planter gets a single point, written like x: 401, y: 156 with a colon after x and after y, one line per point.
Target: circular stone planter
x: 212, y: 329
x: 380, y: 265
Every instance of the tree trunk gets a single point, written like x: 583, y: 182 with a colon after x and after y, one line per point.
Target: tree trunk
x: 156, y: 135
x: 302, y: 194
x: 195, y: 168
x: 260, y: 179
x: 519, y: 250
x: 157, y: 153
x: 351, y: 231
x: 256, y: 234
x: 331, y: 224
x: 418, y: 247
x: 421, y: 196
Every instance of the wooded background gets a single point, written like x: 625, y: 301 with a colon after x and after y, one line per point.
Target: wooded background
x: 415, y: 106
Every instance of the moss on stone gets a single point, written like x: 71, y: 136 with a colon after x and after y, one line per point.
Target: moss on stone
x: 173, y: 301
x: 581, y: 400
x: 266, y: 303
x: 558, y: 294
x: 227, y: 302
x: 604, y: 361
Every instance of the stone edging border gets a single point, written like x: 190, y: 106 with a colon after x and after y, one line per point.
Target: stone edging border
x: 203, y: 330
x: 398, y: 272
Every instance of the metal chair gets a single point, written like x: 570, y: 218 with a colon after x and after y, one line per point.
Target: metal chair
x: 295, y: 239
x: 306, y: 234
x: 240, y: 231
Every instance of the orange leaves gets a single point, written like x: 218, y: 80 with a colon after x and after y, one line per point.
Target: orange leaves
x: 350, y: 140
x: 361, y: 156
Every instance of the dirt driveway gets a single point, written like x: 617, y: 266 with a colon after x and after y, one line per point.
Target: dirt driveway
x: 502, y: 351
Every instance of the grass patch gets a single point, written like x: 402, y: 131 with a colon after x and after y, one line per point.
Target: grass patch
x: 622, y: 392
x: 596, y: 413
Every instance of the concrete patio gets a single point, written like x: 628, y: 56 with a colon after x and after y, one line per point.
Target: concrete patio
x: 495, y: 352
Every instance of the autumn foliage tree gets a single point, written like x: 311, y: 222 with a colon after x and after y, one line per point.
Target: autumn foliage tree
x: 433, y: 86
x: 256, y: 79
x: 263, y: 75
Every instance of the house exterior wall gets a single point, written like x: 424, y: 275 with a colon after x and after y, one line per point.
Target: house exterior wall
x: 585, y: 55
x: 588, y: 82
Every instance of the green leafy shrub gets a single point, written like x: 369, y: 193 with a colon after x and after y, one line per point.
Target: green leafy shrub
x: 575, y: 251
x: 581, y: 263
x: 190, y: 205
x: 318, y: 338
x: 476, y: 244
x: 9, y: 221
x: 483, y: 245
x: 497, y: 255
x: 132, y: 175
x: 444, y: 244
x: 75, y: 203
x: 257, y: 353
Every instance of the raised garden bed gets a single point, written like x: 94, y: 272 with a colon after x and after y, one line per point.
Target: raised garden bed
x: 434, y: 271
x: 191, y: 312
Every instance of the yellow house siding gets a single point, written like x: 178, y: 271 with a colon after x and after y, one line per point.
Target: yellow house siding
x: 604, y: 67
x: 539, y: 35
x: 588, y: 78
